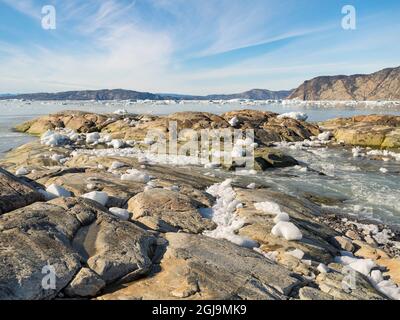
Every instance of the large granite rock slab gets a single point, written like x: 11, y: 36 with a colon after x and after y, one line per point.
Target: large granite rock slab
x: 15, y: 192
x: 166, y: 210
x: 376, y: 131
x: 198, y: 267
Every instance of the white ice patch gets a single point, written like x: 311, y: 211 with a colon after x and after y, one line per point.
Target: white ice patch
x: 135, y: 176
x: 116, y: 143
x: 283, y: 216
x: 98, y: 196
x: 325, y: 136
x: 323, y: 268
x: 234, y: 121
x: 223, y: 214
x: 22, y: 171
x: 92, y: 137
x: 268, y: 207
x: 58, y: 191
x: 121, y: 112
x: 297, y: 253
x: 294, y: 115
x: 53, y: 138
x: 122, y: 214
x: 287, y: 230
x: 116, y: 165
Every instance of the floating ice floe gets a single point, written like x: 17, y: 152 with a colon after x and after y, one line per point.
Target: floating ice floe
x: 136, y: 176
x: 121, y: 112
x: 22, y: 171
x: 98, y: 196
x: 223, y: 214
x: 287, y: 230
x: 122, y: 214
x: 294, y: 115
x: 58, y: 191
x: 383, y: 170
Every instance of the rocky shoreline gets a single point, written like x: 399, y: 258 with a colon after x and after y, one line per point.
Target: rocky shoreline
x: 117, y: 225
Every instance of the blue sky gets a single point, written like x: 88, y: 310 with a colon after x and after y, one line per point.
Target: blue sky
x: 191, y: 46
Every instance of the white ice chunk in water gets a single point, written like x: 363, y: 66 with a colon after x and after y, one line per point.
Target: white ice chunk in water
x: 98, y: 196
x: 294, y: 115
x: 251, y: 186
x: 122, y: 214
x: 383, y: 170
x: 287, y: 230
x: 121, y: 112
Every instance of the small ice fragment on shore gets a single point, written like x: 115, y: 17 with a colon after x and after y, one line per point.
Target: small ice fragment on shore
x: 98, y: 196
x: 57, y: 157
x: 136, y: 176
x: 376, y: 276
x: 283, y: 216
x: 122, y: 214
x: 234, y: 121
x: 287, y: 230
x: 58, y: 191
x: 323, y: 268
x: 22, y: 171
x: 294, y: 115
x: 53, y: 139
x: 116, y: 165
x: 363, y: 266
x: 357, y: 152
x: 116, y: 143
x: 211, y: 165
x: 47, y: 196
x: 383, y: 170
x: 297, y: 253
x: 251, y: 186
x: 325, y: 136
x: 92, y: 137
x: 268, y: 207
x: 90, y: 186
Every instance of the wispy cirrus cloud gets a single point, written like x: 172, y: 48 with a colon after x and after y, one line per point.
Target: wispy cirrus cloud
x: 187, y: 46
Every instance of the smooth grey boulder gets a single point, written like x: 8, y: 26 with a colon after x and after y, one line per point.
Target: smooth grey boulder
x: 86, y: 284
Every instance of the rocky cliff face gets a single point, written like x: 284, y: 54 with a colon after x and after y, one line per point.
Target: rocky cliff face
x: 381, y: 85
